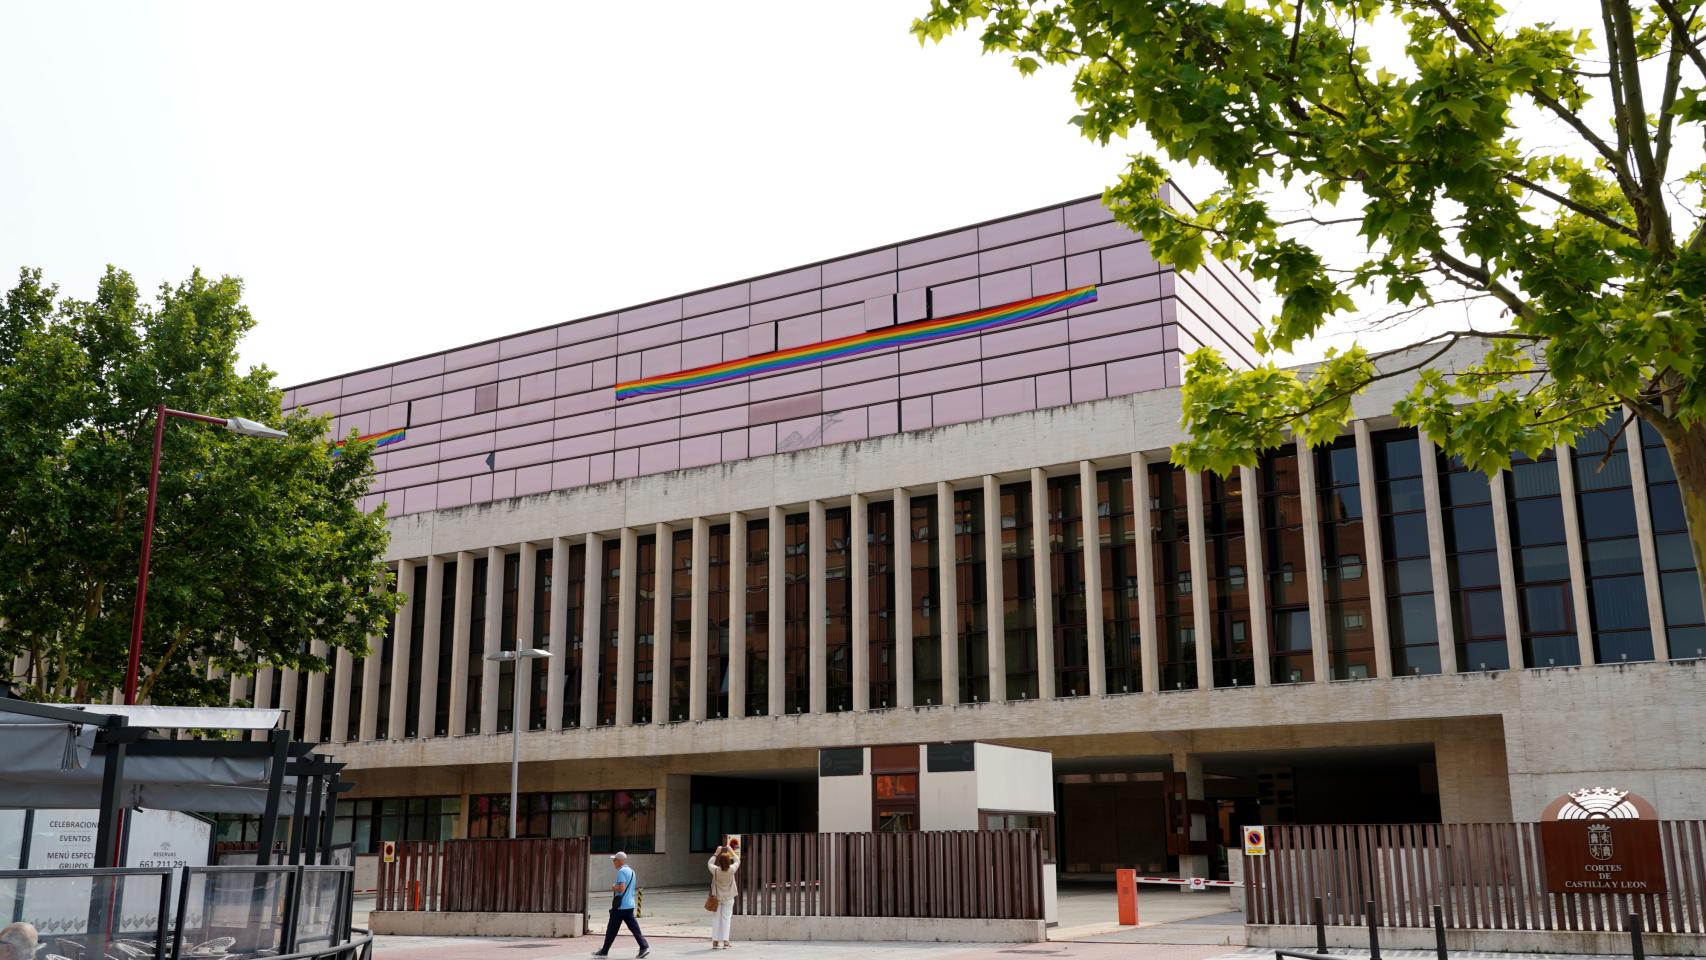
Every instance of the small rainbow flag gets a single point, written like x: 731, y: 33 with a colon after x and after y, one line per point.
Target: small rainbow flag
x: 918, y: 331
x: 383, y: 438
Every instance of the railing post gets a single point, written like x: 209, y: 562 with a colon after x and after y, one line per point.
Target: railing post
x: 1373, y: 932
x: 1439, y: 932
x: 1320, y: 927
x: 1636, y: 948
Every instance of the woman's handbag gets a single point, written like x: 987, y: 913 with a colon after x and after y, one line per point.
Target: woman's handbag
x: 711, y: 903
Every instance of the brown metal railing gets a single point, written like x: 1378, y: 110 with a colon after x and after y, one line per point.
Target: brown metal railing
x: 958, y: 874
x: 486, y: 876
x: 1487, y: 876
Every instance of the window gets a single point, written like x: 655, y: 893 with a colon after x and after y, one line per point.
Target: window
x: 1617, y: 590
x: 1287, y: 568
x: 446, y: 614
x: 645, y: 622
x: 879, y: 557
x: 365, y: 824
x: 612, y: 819
x: 1229, y: 595
x: 573, y: 580
x: 609, y: 628
x: 1350, y: 644
x: 417, y: 639
x: 508, y: 609
x: 796, y: 615
x: 1066, y: 581
x: 1018, y: 588
x: 757, y: 624
x: 838, y: 608
x: 1043, y: 823
x: 1679, y: 584
x: 724, y: 806
x: 1170, y: 529
x: 680, y: 625
x: 1404, y: 543
x: 1472, y: 567
x: 926, y: 603
x: 1542, y: 562
x: 476, y: 647
x: 1117, y: 536
x: 716, y: 676
x: 969, y: 590
x: 539, y: 673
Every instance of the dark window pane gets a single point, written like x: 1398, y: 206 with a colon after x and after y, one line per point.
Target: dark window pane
x: 1675, y: 551
x: 1413, y: 620
x: 1606, y: 557
x: 1534, y: 478
x: 1539, y: 520
x: 1402, y: 458
x: 1546, y: 609
x: 1687, y: 643
x: 1666, y: 499
x: 1625, y: 646
x: 1681, y: 593
x: 1619, y: 603
x: 1608, y: 513
x: 1462, y: 488
x: 1471, y: 528
x: 1410, y: 576
x: 1485, y: 612
x: 1543, y: 563
x: 1477, y: 570
x: 1416, y: 660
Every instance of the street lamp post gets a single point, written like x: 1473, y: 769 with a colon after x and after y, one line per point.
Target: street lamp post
x: 507, y: 656
x: 237, y: 425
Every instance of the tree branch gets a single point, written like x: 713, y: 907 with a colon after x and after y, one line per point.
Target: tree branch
x: 1505, y: 295
x: 1580, y: 208
x: 1691, y: 45
x: 1657, y: 218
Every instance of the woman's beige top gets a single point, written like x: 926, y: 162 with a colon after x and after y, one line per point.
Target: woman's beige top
x: 723, y: 881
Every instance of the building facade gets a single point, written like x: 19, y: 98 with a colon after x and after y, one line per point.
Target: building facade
x: 922, y: 494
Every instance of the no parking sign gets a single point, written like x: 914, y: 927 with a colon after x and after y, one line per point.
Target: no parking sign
x: 1255, y: 841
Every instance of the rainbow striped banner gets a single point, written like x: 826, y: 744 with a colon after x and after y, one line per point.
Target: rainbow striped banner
x: 918, y: 331
x: 383, y: 438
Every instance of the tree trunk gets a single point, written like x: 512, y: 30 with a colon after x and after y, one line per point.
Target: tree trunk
x: 1687, y: 446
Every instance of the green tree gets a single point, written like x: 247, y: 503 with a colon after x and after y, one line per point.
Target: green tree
x: 1554, y: 172
x: 259, y: 545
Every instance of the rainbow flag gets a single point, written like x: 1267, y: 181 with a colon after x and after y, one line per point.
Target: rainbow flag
x: 383, y: 438
x: 918, y: 331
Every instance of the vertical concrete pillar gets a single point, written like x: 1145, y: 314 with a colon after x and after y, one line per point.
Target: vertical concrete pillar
x: 1429, y: 455
x: 287, y: 697
x: 778, y: 527
x: 525, y: 579
x: 489, y: 669
x: 994, y: 590
x: 859, y: 624
x: 1190, y: 764
x: 816, y: 596
x: 1202, y: 625
x: 901, y: 551
x: 343, y: 670
x: 1577, y: 555
x: 404, y: 628
x: 313, y: 716
x: 1256, y: 577
x: 1649, y: 545
x: 592, y: 628
x: 1374, y: 567
x: 367, y: 725
x: 1090, y: 542
x: 737, y: 614
x: 558, y: 632
x: 461, y: 625
x: 663, y: 624
x: 947, y: 592
x: 1148, y: 630
x: 1045, y: 584
x: 431, y: 627
x: 1316, y: 586
x: 698, y: 630
x: 1507, y: 570
x: 263, y: 698
x: 625, y: 600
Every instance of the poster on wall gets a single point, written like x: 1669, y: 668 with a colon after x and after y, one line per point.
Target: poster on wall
x: 65, y: 840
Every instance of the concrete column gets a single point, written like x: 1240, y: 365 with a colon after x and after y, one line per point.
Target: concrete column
x: 1649, y: 546
x: 1256, y: 578
x: 461, y: 625
x: 737, y: 614
x: 1045, y: 584
x: 342, y: 676
x: 1190, y: 764
x: 313, y: 711
x: 1317, y: 589
x: 902, y: 613
x: 817, y: 586
x: 947, y: 592
x: 395, y: 722
x: 1090, y: 542
x: 625, y: 599
x: 592, y: 628
x: 367, y: 725
x: 1577, y: 555
x: 558, y: 633
x: 431, y: 627
x: 859, y: 623
x: 778, y: 524
x: 287, y: 697
x: 493, y: 640
x: 525, y: 580
x: 1436, y: 555
x: 263, y: 698
x: 699, y: 628
x: 1148, y: 631
x: 1374, y: 566
x: 995, y: 614
x: 663, y: 625
x: 1507, y: 571
x: 1201, y: 624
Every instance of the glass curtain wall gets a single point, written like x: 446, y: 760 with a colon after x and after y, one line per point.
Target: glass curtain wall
x: 1544, y: 601
x: 1344, y: 573
x: 1472, y: 564
x: 1170, y: 539
x: 879, y: 573
x: 926, y: 603
x: 1066, y: 583
x: 680, y: 624
x: 645, y: 622
x: 574, y: 640
x: 610, y: 632
x: 1117, y: 537
x: 1228, y: 580
x: 1410, y: 617
x: 1617, y: 588
x: 838, y: 608
x: 1019, y: 591
x: 796, y: 620
x: 969, y: 590
x: 1287, y: 568
x: 446, y: 651
x: 1679, y: 583
x: 757, y: 624
x: 474, y: 663
x: 717, y: 631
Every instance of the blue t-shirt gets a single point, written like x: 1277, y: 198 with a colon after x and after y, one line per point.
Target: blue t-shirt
x: 625, y: 899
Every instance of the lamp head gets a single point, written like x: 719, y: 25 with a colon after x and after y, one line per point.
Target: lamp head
x: 249, y: 428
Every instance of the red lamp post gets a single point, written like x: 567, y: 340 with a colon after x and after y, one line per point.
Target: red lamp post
x: 237, y: 425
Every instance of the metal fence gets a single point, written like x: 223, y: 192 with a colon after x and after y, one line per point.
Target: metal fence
x: 1487, y: 876
x: 959, y: 874
x: 486, y: 876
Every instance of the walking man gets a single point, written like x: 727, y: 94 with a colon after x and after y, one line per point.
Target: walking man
x: 622, y: 907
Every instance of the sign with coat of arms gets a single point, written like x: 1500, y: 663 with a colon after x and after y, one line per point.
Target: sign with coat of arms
x: 1602, y: 840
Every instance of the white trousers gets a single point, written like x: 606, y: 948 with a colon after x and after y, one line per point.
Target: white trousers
x: 721, y: 920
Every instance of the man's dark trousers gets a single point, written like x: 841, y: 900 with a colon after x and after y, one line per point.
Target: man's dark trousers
x: 617, y: 919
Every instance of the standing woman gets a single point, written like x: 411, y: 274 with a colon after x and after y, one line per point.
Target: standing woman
x: 723, y: 866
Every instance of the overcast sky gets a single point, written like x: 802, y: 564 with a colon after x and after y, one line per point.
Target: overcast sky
x: 390, y: 179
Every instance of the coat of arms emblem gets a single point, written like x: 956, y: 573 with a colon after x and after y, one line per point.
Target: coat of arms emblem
x: 1599, y: 841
